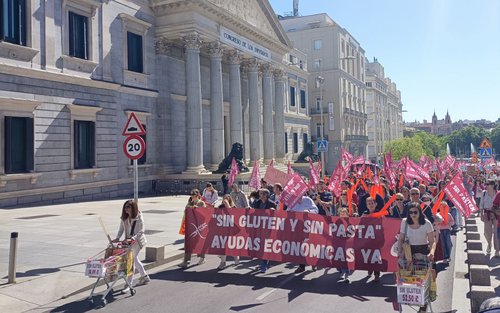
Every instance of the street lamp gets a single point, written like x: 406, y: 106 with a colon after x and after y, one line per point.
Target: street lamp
x: 319, y: 84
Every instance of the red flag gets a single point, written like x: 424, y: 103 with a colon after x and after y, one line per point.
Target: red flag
x: 359, y: 160
x: 385, y: 209
x: 347, y: 157
x: 234, y: 171
x: 320, y: 168
x: 391, y: 177
x: 313, y: 175
x: 336, y: 179
x: 293, y: 191
x: 456, y: 192
x: 255, y: 177
x: 436, y: 205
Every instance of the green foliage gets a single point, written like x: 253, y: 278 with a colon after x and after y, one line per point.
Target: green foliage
x: 420, y: 144
x: 495, y: 139
x: 460, y: 140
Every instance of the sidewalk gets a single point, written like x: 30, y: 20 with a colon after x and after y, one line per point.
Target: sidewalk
x: 55, y: 241
x: 494, y: 262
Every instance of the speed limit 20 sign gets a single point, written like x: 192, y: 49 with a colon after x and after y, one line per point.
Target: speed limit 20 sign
x: 134, y: 147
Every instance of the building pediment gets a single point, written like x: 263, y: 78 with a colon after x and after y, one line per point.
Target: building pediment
x: 253, y: 19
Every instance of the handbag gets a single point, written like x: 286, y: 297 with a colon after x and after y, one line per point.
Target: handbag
x: 406, y: 246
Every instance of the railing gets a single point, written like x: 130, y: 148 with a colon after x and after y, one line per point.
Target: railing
x: 356, y: 138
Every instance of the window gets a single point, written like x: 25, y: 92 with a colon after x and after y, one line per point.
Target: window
x: 318, y: 130
x: 318, y: 103
x: 13, y: 25
x: 304, y: 140
x: 78, y: 39
x: 286, y: 142
x: 134, y: 52
x: 295, y: 143
x: 84, y: 141
x: 292, y: 96
x: 317, y: 44
x: 302, y: 99
x: 19, y: 145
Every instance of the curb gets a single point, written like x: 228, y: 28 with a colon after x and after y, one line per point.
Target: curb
x: 479, y: 272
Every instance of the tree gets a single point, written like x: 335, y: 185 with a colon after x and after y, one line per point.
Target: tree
x: 407, y: 146
x: 495, y: 140
x: 431, y: 144
x: 460, y: 140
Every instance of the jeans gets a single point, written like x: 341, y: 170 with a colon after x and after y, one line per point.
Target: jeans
x: 446, y: 244
x: 454, y: 212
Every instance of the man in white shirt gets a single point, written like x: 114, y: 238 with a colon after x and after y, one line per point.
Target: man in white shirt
x: 306, y: 204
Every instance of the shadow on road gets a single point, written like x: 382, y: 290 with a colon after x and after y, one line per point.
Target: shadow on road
x: 325, y: 283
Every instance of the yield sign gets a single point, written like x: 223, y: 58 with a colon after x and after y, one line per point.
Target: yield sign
x: 133, y: 127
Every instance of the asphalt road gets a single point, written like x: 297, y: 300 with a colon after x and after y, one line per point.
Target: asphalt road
x: 242, y: 288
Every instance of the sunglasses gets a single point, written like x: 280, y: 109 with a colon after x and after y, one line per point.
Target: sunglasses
x: 414, y: 212
x: 399, y: 199
x: 414, y: 194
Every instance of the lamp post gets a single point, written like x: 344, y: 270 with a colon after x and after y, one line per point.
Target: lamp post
x: 319, y: 84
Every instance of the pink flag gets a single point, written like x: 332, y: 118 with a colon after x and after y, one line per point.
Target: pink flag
x: 234, y: 171
x: 391, y: 177
x: 456, y: 192
x: 415, y: 171
x: 255, y: 177
x: 313, y: 175
x: 346, y: 156
x: 336, y: 179
x: 293, y: 191
x: 320, y: 168
x: 359, y: 160
x: 290, y: 171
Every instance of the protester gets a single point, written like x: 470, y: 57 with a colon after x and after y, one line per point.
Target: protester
x: 420, y: 234
x: 210, y: 194
x: 489, y: 217
x: 444, y: 228
x: 323, y: 199
x: 132, y: 225
x: 276, y: 197
x: 306, y: 204
x: 239, y: 198
x: 344, y: 272
x: 398, y: 210
x: 193, y: 202
x: 264, y: 203
x: 371, y: 208
x: 227, y: 203
x: 225, y: 181
x: 362, y: 200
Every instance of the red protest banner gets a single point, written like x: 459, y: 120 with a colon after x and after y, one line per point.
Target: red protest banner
x: 313, y: 175
x: 293, y: 191
x: 301, y: 238
x: 456, y: 192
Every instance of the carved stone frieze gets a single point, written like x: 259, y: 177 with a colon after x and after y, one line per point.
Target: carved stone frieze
x: 234, y: 57
x: 279, y: 74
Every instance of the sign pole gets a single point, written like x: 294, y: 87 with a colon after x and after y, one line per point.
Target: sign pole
x: 136, y: 182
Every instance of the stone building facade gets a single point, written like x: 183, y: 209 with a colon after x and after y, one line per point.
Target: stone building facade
x: 384, y: 109
x: 337, y: 57
x: 200, y: 75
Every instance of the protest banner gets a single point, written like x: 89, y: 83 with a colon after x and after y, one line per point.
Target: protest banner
x: 456, y: 192
x: 302, y: 238
x: 274, y: 176
x: 293, y: 191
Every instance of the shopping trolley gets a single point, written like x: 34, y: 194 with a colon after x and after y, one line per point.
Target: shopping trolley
x: 111, y: 264
x: 414, y: 285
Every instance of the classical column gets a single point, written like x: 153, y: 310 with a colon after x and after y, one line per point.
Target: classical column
x: 267, y: 104
x: 245, y: 118
x: 279, y: 114
x: 254, y: 109
x: 216, y: 105
x: 194, y: 121
x: 235, y: 122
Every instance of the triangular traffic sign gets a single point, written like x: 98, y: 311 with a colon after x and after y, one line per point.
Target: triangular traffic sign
x: 485, y: 143
x: 133, y: 126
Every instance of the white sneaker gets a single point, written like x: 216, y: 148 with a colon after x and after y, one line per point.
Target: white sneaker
x: 222, y: 265
x: 201, y: 261
x: 125, y: 290
x: 488, y: 249
x: 236, y: 260
x: 143, y: 281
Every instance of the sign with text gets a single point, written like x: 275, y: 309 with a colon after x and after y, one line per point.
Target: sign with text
x: 244, y: 44
x: 302, y: 238
x: 293, y: 191
x: 411, y: 294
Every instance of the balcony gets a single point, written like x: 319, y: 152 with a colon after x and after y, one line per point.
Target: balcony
x: 313, y: 111
x: 355, y: 113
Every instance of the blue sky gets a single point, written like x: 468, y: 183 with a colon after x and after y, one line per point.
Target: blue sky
x: 442, y: 54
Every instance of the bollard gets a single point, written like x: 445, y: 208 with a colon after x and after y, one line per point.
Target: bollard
x: 12, y: 258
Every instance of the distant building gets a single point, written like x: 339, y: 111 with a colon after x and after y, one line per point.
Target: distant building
x: 336, y: 83
x: 437, y: 127
x: 384, y: 110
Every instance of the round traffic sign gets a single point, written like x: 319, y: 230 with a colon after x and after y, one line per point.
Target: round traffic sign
x: 134, y: 147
